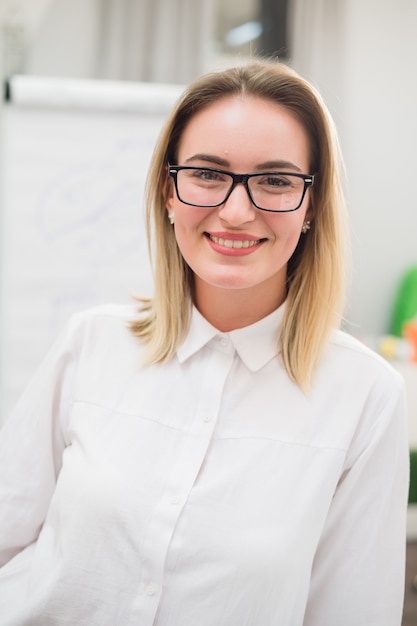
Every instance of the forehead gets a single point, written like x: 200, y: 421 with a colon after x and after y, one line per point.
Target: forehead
x: 244, y: 131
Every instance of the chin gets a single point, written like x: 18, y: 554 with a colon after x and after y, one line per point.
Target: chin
x: 229, y: 281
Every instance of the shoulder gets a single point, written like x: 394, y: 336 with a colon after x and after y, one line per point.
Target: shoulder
x: 356, y: 393
x: 106, y: 312
x: 348, y: 358
x: 102, y: 327
x: 348, y: 347
x: 104, y: 315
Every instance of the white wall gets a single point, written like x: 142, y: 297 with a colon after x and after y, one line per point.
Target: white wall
x: 379, y: 136
x: 362, y: 56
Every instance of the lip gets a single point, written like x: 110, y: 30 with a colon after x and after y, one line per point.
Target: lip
x: 233, y: 244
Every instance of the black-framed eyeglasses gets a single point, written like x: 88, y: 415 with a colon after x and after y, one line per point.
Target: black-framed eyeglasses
x: 277, y: 192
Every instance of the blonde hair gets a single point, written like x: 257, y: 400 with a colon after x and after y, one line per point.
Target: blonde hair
x: 316, y: 270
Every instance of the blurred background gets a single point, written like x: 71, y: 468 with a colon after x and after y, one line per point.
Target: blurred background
x: 71, y: 174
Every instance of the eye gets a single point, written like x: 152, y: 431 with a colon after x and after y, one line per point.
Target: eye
x: 275, y: 180
x: 207, y: 175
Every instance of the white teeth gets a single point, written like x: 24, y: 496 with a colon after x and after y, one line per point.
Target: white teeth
x: 235, y: 243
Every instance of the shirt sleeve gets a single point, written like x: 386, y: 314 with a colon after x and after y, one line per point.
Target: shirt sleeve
x: 358, y: 572
x: 31, y: 446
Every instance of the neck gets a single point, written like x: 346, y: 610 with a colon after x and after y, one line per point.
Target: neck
x: 229, y: 309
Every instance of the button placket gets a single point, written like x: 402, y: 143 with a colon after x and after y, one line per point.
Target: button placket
x: 194, y: 446
x: 150, y: 590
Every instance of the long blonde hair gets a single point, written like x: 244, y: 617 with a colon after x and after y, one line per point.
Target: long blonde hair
x: 316, y: 270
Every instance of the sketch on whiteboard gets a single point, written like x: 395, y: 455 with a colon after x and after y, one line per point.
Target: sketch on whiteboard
x: 93, y: 198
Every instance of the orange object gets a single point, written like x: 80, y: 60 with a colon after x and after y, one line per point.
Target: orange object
x: 410, y: 333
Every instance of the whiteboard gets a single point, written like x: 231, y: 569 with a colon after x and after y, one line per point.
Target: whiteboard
x: 74, y: 157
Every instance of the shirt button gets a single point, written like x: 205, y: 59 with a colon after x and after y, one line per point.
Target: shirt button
x: 175, y: 500
x: 150, y: 590
x: 207, y: 418
x: 224, y: 341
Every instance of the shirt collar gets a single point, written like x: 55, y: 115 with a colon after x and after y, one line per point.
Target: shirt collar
x: 256, y: 344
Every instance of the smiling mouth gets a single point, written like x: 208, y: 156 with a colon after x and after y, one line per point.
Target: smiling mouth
x: 234, y: 243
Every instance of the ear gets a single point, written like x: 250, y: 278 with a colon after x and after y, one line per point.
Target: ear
x: 311, y: 212
x: 169, y: 193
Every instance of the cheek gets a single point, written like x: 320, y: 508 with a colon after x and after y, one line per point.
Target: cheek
x: 186, y: 227
x: 190, y: 220
x: 286, y: 227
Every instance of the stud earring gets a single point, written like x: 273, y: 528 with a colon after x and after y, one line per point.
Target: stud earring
x: 305, y: 227
x: 171, y: 218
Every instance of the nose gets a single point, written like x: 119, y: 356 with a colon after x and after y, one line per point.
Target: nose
x: 238, y: 208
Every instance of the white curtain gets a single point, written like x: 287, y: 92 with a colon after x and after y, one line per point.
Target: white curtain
x: 317, y: 30
x: 155, y: 40
x: 140, y: 40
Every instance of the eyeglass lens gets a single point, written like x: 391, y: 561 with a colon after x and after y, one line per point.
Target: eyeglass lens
x: 272, y: 191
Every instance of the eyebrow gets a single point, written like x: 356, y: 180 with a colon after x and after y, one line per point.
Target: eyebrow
x: 215, y: 160
x: 278, y: 165
x: 273, y: 165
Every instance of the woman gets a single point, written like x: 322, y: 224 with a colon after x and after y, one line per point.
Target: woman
x: 226, y: 455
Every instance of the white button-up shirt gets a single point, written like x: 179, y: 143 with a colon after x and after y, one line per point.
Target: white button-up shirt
x: 208, y: 491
